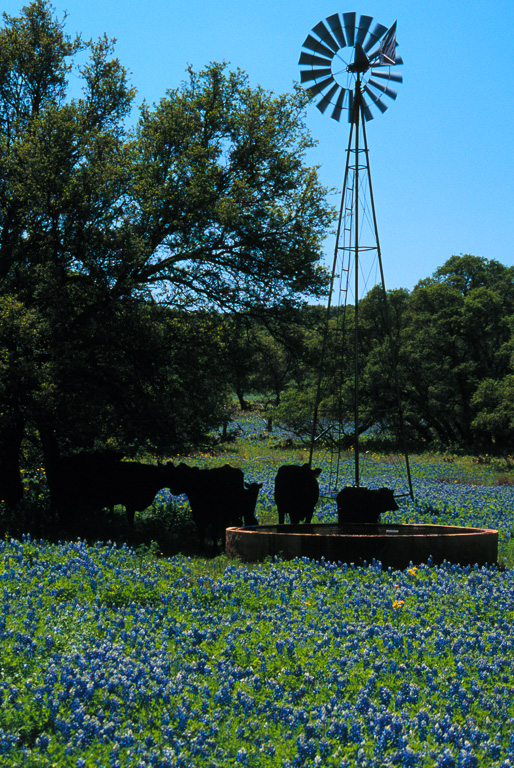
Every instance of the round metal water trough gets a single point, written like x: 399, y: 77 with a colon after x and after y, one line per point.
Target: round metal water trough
x: 395, y: 546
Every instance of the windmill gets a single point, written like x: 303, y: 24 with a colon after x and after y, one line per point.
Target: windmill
x: 349, y: 65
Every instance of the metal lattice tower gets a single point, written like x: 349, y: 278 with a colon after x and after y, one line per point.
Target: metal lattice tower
x: 348, y: 65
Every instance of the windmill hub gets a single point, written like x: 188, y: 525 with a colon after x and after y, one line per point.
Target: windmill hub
x: 360, y: 61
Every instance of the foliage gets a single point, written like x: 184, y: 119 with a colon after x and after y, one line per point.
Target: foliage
x: 456, y: 328
x: 451, y: 338
x: 108, y: 230
x: 232, y: 217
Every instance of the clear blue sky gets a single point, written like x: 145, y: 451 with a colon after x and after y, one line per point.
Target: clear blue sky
x: 442, y: 156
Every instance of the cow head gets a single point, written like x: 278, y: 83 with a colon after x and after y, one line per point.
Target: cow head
x: 387, y: 502
x: 251, y: 493
x: 178, y: 478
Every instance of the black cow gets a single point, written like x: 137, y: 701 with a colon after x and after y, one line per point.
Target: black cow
x: 87, y: 482
x: 357, y: 504
x: 217, y: 497
x: 296, y: 492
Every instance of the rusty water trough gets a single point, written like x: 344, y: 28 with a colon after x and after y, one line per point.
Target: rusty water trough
x: 395, y: 546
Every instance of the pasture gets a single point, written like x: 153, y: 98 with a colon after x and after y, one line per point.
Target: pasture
x: 112, y: 655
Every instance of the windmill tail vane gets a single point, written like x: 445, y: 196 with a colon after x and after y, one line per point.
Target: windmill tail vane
x: 387, y: 51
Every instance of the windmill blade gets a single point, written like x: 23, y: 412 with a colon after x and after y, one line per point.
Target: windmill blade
x: 383, y: 89
x: 338, y: 108
x: 314, y: 45
x: 391, y: 76
x: 313, y: 74
x: 325, y: 101
x: 320, y: 86
x: 374, y: 55
x: 310, y: 60
x: 322, y: 32
x: 366, y: 111
x: 375, y: 99
x: 337, y: 30
x: 349, y: 26
x: 374, y: 37
x: 362, y: 29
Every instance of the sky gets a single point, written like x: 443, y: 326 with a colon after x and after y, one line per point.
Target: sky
x: 441, y: 156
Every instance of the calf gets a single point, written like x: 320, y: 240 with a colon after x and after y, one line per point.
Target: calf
x: 357, y: 504
x: 296, y: 492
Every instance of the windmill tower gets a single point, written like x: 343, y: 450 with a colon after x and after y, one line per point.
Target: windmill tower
x: 348, y: 66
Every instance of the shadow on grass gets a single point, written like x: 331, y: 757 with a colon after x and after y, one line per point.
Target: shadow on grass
x: 164, y: 529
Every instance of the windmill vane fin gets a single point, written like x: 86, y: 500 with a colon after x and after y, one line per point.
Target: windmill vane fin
x: 313, y: 74
x: 384, y: 89
x: 338, y: 108
x: 325, y: 35
x: 315, y: 45
x: 375, y: 99
x: 310, y: 60
x: 362, y: 29
x: 391, y: 76
x: 374, y: 36
x: 337, y: 30
x: 325, y: 101
x: 349, y: 25
x: 315, y: 89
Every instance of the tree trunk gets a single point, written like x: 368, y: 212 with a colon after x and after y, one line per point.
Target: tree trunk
x: 242, y: 402
x: 11, y: 486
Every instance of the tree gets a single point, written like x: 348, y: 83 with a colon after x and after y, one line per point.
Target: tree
x: 454, y: 349
x: 226, y: 213
x: 494, y: 406
x: 106, y: 232
x: 237, y: 333
x: 22, y: 334
x: 457, y: 328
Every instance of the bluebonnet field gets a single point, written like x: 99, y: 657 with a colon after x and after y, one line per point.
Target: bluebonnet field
x: 109, y: 658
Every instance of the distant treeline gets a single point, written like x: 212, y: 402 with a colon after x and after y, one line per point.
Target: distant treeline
x: 452, y: 341
x: 163, y: 380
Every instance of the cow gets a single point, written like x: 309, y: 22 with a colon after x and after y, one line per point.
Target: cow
x: 296, y: 492
x: 89, y: 482
x: 218, y: 498
x: 357, y: 504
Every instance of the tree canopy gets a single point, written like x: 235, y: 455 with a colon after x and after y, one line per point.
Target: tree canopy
x: 109, y: 225
x: 454, y: 348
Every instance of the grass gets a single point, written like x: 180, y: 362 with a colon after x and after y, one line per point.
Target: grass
x: 112, y: 657
x: 114, y: 654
